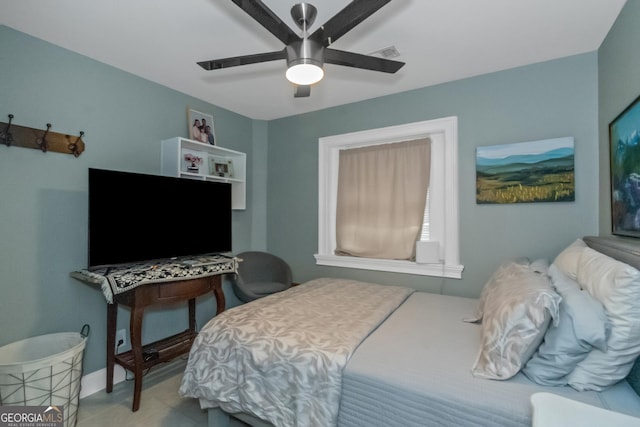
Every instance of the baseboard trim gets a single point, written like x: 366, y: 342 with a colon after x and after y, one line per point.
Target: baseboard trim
x: 97, y: 381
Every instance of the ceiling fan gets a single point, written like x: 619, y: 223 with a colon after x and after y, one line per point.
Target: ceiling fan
x: 307, y: 55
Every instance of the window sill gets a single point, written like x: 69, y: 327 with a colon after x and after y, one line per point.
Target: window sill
x: 394, y: 266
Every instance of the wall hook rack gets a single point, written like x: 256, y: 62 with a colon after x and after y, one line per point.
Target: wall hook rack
x: 5, y: 135
x: 22, y: 136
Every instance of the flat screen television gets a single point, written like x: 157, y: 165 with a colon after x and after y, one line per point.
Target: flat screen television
x: 137, y: 217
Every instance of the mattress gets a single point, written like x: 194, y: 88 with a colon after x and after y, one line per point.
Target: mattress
x: 415, y: 370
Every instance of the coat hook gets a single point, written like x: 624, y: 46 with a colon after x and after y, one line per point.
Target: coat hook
x: 73, y: 146
x: 5, y: 135
x: 42, y: 142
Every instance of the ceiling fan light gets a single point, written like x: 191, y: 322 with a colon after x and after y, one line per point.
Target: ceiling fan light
x: 304, y: 74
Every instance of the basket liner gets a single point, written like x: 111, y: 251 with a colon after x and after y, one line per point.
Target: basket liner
x: 38, y: 352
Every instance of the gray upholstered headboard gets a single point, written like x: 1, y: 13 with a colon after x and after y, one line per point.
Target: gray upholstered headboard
x: 626, y: 250
x: 623, y: 249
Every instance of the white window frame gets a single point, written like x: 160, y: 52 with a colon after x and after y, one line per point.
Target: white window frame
x: 443, y: 187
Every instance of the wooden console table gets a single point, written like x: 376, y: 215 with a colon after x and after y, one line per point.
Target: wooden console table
x: 166, y: 349
x: 149, y: 293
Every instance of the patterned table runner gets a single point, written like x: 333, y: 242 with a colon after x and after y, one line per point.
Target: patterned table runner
x: 123, y: 278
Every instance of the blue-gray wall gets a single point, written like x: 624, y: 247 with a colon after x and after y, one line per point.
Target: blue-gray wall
x: 618, y: 86
x: 546, y: 100
x: 43, y: 205
x: 44, y: 200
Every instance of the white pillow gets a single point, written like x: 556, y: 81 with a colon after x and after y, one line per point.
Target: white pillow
x: 540, y: 265
x: 567, y: 260
x: 617, y: 286
x: 507, y: 271
x: 582, y: 326
x: 518, y: 307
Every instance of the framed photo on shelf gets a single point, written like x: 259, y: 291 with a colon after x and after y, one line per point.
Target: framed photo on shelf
x: 201, y: 127
x: 624, y: 145
x: 221, y: 166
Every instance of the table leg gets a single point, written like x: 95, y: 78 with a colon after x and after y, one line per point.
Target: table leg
x: 219, y: 294
x: 112, y: 318
x: 192, y: 314
x: 135, y: 330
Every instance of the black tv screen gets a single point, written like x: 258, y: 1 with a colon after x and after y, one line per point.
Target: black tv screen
x: 137, y: 217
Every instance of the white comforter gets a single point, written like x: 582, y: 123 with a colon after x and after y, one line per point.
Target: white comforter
x: 281, y: 358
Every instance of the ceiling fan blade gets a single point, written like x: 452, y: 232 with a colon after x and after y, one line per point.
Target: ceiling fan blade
x: 350, y: 59
x: 269, y: 20
x: 343, y: 21
x: 302, y: 91
x: 234, y: 61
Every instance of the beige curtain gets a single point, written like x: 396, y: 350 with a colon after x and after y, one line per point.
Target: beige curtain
x: 382, y: 191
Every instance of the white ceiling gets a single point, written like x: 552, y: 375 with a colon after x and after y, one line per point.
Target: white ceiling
x: 440, y: 40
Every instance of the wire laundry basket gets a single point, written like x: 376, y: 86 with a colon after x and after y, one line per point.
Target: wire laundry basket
x: 44, y: 371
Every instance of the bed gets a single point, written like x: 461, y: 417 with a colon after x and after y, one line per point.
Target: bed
x: 398, y: 357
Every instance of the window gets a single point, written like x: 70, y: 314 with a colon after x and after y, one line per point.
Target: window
x: 443, y: 197
x: 426, y: 233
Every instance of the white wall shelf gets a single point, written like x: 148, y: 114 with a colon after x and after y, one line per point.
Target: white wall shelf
x: 233, y: 165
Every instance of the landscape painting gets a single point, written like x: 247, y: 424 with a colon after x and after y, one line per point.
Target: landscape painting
x: 526, y: 172
x: 624, y: 134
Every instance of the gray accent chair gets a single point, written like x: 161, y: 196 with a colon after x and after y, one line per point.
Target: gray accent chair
x: 260, y: 274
